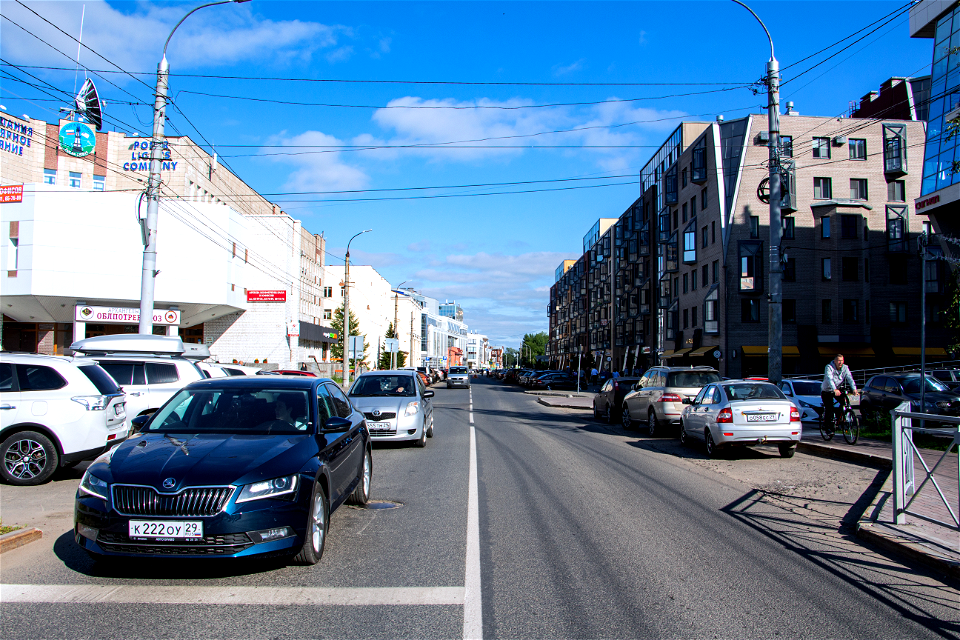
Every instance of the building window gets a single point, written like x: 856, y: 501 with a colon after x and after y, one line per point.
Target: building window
x: 895, y: 148
x: 693, y: 280
x: 826, y: 312
x: 821, y: 148
x: 685, y: 281
x: 693, y: 204
x: 683, y: 176
x: 751, y: 275
x: 749, y: 310
x: 850, y: 311
x: 898, y: 312
x: 684, y: 210
x: 825, y: 271
x: 703, y: 199
x: 710, y: 322
x: 896, y: 228
x: 74, y: 179
x: 790, y: 270
x: 866, y: 269
x: 789, y: 228
x: 896, y: 191
x: 703, y: 237
x: 850, y: 269
x: 825, y: 227
x: 897, y: 265
x: 690, y: 242
x: 686, y: 319
x: 822, y: 188
x: 327, y: 314
x: 789, y: 311
x: 858, y: 189
x: 698, y: 172
x: 716, y: 271
x: 858, y: 149
x: 754, y: 226
x: 328, y: 292
x: 704, y: 279
x: 676, y: 222
x: 99, y: 182
x: 848, y: 226
x: 713, y: 231
x: 786, y: 146
x: 49, y: 176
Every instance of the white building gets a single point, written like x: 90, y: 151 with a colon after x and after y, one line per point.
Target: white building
x: 443, y: 340
x: 478, y: 351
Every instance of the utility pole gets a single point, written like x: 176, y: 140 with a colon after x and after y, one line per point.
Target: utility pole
x: 346, y: 313
x: 396, y: 329
x: 775, y: 306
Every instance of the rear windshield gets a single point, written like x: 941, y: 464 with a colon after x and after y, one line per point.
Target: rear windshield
x: 458, y: 369
x: 748, y: 391
x: 100, y: 379
x: 691, y: 378
x: 806, y: 388
x: 377, y: 385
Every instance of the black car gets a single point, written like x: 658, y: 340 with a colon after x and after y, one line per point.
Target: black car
x: 609, y: 400
x: 884, y: 393
x: 554, y: 381
x: 229, y: 467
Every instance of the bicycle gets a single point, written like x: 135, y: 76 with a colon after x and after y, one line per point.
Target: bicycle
x: 845, y: 418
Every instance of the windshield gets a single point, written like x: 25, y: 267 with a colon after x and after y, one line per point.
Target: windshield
x: 366, y: 386
x: 912, y: 385
x: 753, y: 392
x: 691, y: 378
x: 806, y: 388
x: 235, y: 411
x: 458, y: 369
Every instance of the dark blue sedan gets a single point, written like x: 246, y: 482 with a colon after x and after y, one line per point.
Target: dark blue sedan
x: 229, y: 467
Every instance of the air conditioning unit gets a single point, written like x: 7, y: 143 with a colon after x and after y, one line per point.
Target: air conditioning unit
x: 839, y: 140
x: 763, y: 137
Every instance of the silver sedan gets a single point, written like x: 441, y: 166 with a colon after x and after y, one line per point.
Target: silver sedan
x: 741, y: 413
x: 395, y: 404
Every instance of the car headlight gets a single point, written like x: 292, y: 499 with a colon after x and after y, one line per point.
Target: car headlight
x: 268, y: 488
x: 412, y: 408
x: 805, y: 404
x: 94, y: 486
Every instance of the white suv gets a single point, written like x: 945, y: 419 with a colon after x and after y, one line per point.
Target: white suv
x: 150, y: 369
x: 54, y: 412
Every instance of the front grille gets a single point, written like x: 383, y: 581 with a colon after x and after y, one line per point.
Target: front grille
x: 226, y: 544
x: 381, y: 434
x: 191, y: 503
x: 386, y: 415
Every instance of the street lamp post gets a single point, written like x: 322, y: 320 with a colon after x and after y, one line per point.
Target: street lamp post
x: 149, y: 272
x: 346, y: 313
x: 775, y: 308
x: 396, y: 330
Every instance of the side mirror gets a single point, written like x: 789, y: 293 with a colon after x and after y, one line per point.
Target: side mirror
x: 428, y: 393
x: 687, y: 401
x: 137, y: 424
x: 337, y: 425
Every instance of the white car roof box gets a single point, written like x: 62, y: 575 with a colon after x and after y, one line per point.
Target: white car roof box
x: 192, y: 351
x: 131, y: 343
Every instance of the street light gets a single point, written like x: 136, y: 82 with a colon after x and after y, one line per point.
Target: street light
x: 396, y: 329
x: 346, y: 313
x: 149, y: 272
x: 775, y: 319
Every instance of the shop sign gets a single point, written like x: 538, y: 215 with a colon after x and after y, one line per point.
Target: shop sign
x: 123, y: 315
x: 267, y: 295
x: 140, y: 156
x: 11, y: 193
x: 14, y: 136
x: 77, y: 139
x: 926, y: 202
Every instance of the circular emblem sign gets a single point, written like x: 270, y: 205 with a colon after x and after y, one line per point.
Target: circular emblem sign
x: 77, y: 139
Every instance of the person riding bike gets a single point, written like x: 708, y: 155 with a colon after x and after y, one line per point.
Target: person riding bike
x: 835, y: 375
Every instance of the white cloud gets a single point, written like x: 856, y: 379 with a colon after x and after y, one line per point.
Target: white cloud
x: 316, y: 171
x: 570, y: 68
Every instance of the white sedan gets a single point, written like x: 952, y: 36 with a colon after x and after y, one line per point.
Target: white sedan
x: 741, y: 413
x: 806, y: 395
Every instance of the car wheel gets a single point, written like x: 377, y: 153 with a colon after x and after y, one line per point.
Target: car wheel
x: 787, y: 450
x: 608, y: 415
x: 652, y: 424
x: 422, y: 440
x: 318, y: 522
x: 712, y: 448
x: 361, y: 495
x: 430, y: 430
x: 625, y: 418
x: 683, y: 435
x: 29, y: 458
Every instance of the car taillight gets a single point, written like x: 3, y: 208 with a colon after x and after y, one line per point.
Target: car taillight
x: 725, y: 415
x: 616, y: 385
x: 794, y: 415
x: 670, y: 397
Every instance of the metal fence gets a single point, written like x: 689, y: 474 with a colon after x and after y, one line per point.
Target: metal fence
x: 861, y: 376
x: 907, y: 487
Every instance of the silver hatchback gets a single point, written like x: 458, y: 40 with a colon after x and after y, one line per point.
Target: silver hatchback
x: 658, y: 397
x: 395, y: 404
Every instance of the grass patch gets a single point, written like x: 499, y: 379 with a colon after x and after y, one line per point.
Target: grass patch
x: 878, y: 428
x: 6, y: 528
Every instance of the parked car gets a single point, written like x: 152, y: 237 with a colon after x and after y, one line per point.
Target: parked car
x: 741, y: 413
x: 554, y: 380
x: 150, y: 369
x: 55, y: 413
x: 294, y: 372
x: 609, y: 400
x: 230, y: 467
x: 806, y: 395
x: 458, y: 377
x: 658, y: 397
x: 949, y: 377
x: 886, y: 392
x: 218, y: 370
x: 396, y: 404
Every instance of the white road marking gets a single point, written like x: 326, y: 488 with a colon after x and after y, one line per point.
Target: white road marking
x: 472, y: 603
x: 471, y: 417
x: 219, y: 595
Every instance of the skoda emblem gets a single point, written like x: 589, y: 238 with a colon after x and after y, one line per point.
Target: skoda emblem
x: 376, y: 413
x: 169, y: 483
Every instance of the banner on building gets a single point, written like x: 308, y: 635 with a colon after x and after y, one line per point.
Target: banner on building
x: 11, y: 193
x: 123, y: 315
x: 267, y: 295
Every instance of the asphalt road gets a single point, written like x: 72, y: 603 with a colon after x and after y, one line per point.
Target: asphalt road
x: 584, y: 531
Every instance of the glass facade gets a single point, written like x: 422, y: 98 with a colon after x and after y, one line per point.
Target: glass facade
x: 940, y: 152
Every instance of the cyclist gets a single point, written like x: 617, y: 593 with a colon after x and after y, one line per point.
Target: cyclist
x: 835, y: 375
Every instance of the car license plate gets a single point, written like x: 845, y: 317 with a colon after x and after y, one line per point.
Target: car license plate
x: 158, y: 529
x: 760, y: 417
x: 379, y: 426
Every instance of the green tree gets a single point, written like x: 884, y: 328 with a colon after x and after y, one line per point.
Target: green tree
x: 337, y: 349
x: 509, y: 357
x: 534, y: 344
x: 951, y: 314
x: 385, y: 357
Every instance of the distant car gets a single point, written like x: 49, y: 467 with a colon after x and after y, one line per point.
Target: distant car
x: 949, y: 377
x: 554, y: 381
x: 806, y: 395
x: 229, y: 467
x: 294, y: 372
x: 55, y: 412
x: 886, y: 392
x: 218, y: 370
x: 659, y: 395
x: 609, y: 400
x: 741, y: 413
x: 396, y: 404
x: 458, y: 377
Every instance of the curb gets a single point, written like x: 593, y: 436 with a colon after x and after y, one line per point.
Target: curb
x: 563, y: 406
x: 16, y: 539
x: 902, y: 545
x: 826, y: 451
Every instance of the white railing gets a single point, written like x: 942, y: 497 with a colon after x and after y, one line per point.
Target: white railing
x: 906, y: 487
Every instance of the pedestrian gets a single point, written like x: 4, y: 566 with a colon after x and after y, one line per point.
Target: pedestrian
x: 616, y: 374
x: 593, y: 375
x: 835, y: 375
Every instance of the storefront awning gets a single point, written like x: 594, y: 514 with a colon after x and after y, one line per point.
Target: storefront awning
x: 860, y: 351
x: 786, y: 350
x: 915, y: 351
x: 667, y: 353
x: 679, y: 353
x: 702, y: 351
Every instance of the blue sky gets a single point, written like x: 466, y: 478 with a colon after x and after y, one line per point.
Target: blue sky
x: 401, y: 100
